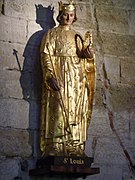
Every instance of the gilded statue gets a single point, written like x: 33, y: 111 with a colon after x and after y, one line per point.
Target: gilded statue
x: 68, y: 68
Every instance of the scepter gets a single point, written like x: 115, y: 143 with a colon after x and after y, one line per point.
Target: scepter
x: 62, y: 103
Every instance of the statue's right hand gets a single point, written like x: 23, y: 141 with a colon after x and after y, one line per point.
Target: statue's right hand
x: 52, y: 83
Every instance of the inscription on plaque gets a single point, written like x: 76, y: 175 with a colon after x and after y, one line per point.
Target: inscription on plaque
x: 65, y: 161
x: 73, y: 161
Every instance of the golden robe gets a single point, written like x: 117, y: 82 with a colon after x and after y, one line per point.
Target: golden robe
x: 65, y: 114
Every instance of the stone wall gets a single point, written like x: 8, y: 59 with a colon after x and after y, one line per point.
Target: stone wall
x: 111, y: 136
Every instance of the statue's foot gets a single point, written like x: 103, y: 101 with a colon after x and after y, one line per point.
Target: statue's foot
x: 76, y: 151
x: 55, y: 152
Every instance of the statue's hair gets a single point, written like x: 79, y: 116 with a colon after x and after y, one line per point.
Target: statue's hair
x: 59, y: 17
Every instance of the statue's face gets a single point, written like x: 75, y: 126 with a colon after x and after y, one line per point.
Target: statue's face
x: 67, y: 17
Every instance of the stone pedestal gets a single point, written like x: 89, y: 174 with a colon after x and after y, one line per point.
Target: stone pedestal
x: 64, y: 166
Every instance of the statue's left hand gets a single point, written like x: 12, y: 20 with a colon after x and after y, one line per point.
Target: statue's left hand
x: 88, y: 52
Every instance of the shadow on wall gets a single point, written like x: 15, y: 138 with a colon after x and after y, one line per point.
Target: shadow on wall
x: 31, y: 74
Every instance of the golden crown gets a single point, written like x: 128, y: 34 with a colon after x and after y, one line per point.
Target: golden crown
x: 66, y: 7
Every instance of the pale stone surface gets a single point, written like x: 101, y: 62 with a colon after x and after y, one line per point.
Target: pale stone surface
x: 14, y: 113
x: 10, y: 84
x: 12, y: 30
x: 129, y: 145
x: 122, y: 123
x: 111, y: 19
x: 10, y: 89
x: 122, y: 98
x: 15, y: 8
x: 9, y: 168
x: 132, y: 22
x: 128, y: 71
x: 118, y: 45
x: 98, y: 96
x: 23, y: 9
x: 109, y: 150
x: 124, y: 4
x: 124, y: 117
x: 102, y: 127
x: 132, y: 126
x: 9, y: 74
x: 43, y: 3
x: 112, y: 68
x: 8, y: 60
x: 99, y: 111
x: 100, y: 122
x: 111, y: 172
x: 15, y: 143
x: 85, y: 15
x: 127, y: 174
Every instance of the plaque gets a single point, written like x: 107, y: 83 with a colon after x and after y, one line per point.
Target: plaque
x: 64, y: 166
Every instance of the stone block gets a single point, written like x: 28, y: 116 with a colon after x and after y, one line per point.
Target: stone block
x: 15, y: 142
x: 8, y: 60
x: 88, y: 147
x: 9, y: 168
x: 23, y: 9
x: 10, y: 85
x: 128, y: 70
x: 111, y: 172
x: 108, y: 151
x: 9, y: 74
x: 100, y: 127
x: 124, y: 4
x: 14, y: 113
x: 13, y: 29
x: 98, y: 99
x: 129, y: 145
x: 126, y: 173
x: 112, y: 68
x: 99, y: 61
x: 122, y: 124
x: 84, y: 16
x: 122, y: 103
x: 132, y: 22
x: 132, y: 126
x: 44, y: 5
x: 15, y: 8
x: 112, y: 19
x: 118, y: 45
x: 122, y: 98
x: 99, y: 111
x: 10, y: 89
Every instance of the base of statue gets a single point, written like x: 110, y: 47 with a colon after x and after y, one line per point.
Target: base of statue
x: 64, y: 166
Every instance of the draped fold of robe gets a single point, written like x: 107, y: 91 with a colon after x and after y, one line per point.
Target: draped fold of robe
x: 65, y: 114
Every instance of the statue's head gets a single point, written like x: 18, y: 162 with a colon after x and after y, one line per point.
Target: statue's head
x: 67, y: 13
